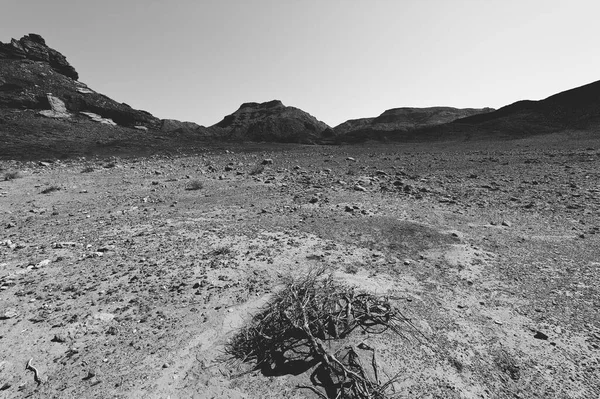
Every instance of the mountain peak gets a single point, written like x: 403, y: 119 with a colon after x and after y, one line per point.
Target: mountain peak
x: 33, y: 47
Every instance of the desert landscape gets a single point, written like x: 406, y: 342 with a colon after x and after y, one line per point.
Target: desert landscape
x: 138, y: 255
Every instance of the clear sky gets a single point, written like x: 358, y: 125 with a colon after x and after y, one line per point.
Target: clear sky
x: 199, y: 60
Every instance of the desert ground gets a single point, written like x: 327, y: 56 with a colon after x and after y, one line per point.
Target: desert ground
x: 127, y: 277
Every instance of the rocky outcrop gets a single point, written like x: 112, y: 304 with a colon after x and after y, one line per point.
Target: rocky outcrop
x: 33, y: 47
x: 270, y: 121
x: 57, y: 108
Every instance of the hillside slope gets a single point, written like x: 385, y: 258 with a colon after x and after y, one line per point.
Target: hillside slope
x: 577, y: 108
x: 401, y: 120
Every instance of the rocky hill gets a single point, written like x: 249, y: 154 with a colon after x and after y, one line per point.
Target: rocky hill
x: 577, y: 108
x: 270, y: 121
x: 36, y: 77
x: 45, y: 111
x: 401, y: 120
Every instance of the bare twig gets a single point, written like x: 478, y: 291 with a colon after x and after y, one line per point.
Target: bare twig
x: 36, y: 375
x: 315, y: 309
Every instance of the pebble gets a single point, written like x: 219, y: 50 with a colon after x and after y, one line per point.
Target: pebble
x: 43, y: 263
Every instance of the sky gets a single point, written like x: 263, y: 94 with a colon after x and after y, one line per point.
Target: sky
x: 199, y: 60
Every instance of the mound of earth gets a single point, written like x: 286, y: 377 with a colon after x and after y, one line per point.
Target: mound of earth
x: 270, y: 121
x: 399, y: 120
x: 578, y: 108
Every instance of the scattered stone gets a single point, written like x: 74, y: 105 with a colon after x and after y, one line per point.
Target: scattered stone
x: 64, y: 244
x: 99, y: 119
x: 60, y: 338
x: 9, y: 313
x: 43, y: 263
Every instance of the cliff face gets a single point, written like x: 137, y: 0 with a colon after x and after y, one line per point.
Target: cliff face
x: 270, y: 121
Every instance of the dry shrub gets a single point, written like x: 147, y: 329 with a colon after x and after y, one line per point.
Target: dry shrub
x: 50, y: 189
x: 13, y: 174
x: 256, y: 170
x: 194, y: 185
x: 310, y: 315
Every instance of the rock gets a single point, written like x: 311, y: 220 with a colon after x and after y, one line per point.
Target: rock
x: 358, y: 187
x: 64, y: 244
x: 540, y: 335
x: 267, y: 161
x: 9, y: 313
x: 10, y: 225
x: 506, y: 223
x: 43, y: 263
x: 97, y: 118
x: 350, y: 159
x: 58, y: 109
x: 313, y: 200
x: 60, y: 338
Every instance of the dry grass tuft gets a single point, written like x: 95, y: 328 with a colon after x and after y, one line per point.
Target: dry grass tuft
x: 50, y: 189
x: 12, y: 175
x: 256, y: 170
x: 297, y: 329
x: 195, y: 185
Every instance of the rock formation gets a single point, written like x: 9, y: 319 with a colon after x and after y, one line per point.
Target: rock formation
x: 270, y: 121
x: 33, y: 47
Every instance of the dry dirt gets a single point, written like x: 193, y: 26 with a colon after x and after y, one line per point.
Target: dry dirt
x: 118, y: 282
